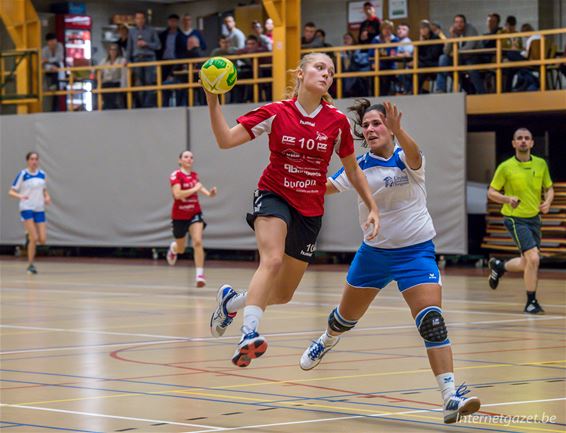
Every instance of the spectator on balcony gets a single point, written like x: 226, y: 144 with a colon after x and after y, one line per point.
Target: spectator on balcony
x: 143, y: 44
x: 309, y: 39
x: 173, y: 45
x: 178, y: 97
x: 346, y: 58
x: 509, y: 28
x: 361, y: 62
x: 406, y: 52
x: 113, y: 78
x: 386, y: 36
x: 263, y: 41
x: 123, y: 33
x: 52, y: 58
x: 188, y: 31
x: 526, y: 80
x: 437, y: 30
x: 236, y: 38
x: 493, y: 28
x: 460, y: 28
x: 371, y: 23
x: 269, y: 29
x: 428, y: 54
x: 244, y: 93
x: 222, y: 49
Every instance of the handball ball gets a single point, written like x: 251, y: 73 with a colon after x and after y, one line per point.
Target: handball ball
x: 218, y: 75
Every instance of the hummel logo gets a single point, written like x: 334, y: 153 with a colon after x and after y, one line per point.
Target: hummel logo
x: 306, y: 122
x: 431, y: 276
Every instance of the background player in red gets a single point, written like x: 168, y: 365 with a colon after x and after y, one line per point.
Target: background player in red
x: 289, y: 202
x: 186, y: 214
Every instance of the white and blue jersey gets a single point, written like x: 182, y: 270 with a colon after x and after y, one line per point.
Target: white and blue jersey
x: 31, y: 185
x: 403, y: 250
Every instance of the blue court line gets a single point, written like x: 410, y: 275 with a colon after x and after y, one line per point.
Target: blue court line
x: 387, y: 418
x: 14, y: 424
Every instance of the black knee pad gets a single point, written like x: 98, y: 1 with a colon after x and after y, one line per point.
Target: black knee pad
x: 432, y: 328
x: 338, y: 324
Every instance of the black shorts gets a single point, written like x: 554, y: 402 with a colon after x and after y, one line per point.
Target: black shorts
x: 302, y: 231
x: 181, y: 227
x: 526, y: 232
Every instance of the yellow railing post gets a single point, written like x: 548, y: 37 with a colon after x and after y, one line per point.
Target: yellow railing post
x: 256, y: 76
x: 376, y: 72
x: 70, y: 91
x: 159, y: 84
x: 542, y: 65
x: 455, y: 76
x: 415, y: 68
x: 339, y: 83
x: 191, y: 90
x: 98, y: 88
x: 498, y: 59
x: 129, y: 84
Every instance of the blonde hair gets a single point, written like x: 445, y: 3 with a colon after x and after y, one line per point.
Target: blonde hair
x: 293, y: 92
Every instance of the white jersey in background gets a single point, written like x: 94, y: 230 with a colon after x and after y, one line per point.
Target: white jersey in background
x: 31, y: 185
x: 400, y: 195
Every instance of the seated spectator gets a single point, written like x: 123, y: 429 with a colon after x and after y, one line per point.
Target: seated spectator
x: 437, y: 30
x: 188, y: 30
x: 113, y: 78
x: 493, y: 28
x: 361, y: 61
x: 244, y: 93
x: 371, y: 24
x: 236, y: 38
x: 309, y: 39
x: 513, y: 47
x: 509, y: 28
x: 527, y: 81
x: 264, y: 42
x: 386, y: 36
x: 346, y: 59
x: 428, y: 54
x: 528, y: 28
x: 268, y: 27
x: 222, y: 49
x: 405, y: 51
x: 52, y: 58
x: 180, y: 75
x: 460, y: 28
x: 123, y: 32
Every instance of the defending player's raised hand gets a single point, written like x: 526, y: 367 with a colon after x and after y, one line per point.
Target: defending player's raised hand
x: 392, y: 118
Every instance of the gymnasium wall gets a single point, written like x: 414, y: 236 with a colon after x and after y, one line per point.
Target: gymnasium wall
x: 108, y: 175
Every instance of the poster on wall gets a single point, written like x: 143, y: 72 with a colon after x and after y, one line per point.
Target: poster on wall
x: 356, y: 13
x: 398, y: 9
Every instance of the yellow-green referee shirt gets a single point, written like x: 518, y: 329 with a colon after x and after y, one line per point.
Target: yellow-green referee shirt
x: 524, y: 180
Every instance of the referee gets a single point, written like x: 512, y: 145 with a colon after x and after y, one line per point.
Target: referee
x: 517, y: 184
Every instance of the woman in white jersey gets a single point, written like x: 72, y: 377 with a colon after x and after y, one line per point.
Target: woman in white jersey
x: 29, y: 187
x: 303, y: 132
x: 403, y: 250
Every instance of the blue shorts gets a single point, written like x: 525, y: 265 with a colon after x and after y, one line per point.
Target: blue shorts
x: 37, y: 217
x: 374, y: 267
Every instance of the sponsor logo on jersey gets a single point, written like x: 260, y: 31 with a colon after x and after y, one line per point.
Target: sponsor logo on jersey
x: 292, y: 155
x: 306, y: 122
x: 314, y: 159
x: 321, y: 136
x: 296, y: 170
x: 288, y: 140
x: 296, y: 184
x: 391, y: 181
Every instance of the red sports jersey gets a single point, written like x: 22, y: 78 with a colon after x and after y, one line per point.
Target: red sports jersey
x: 301, y: 146
x: 189, y: 207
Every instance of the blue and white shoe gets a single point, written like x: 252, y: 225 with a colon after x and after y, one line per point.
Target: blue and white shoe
x: 221, y: 318
x: 458, y: 405
x: 251, y: 346
x: 314, y: 353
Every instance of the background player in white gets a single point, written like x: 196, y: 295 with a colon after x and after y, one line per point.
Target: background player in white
x: 30, y: 188
x: 403, y: 251
x: 186, y: 214
x: 289, y: 203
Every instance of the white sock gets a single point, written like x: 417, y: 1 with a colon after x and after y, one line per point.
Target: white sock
x: 237, y: 302
x: 327, y: 339
x: 446, y: 385
x: 199, y: 271
x: 252, y: 316
x: 174, y: 247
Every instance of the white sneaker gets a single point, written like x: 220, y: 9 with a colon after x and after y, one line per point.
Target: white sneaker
x: 458, y: 405
x: 221, y: 318
x: 171, y: 256
x: 200, y: 281
x: 314, y: 353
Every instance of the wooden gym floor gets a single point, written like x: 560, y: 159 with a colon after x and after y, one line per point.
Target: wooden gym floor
x: 124, y: 346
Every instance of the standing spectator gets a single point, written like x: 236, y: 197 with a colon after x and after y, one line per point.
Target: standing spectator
x: 113, y: 78
x: 143, y: 43
x: 460, y: 28
x: 122, y: 41
x: 236, y: 38
x: 188, y: 30
x: 371, y: 23
x: 309, y: 39
x: 522, y: 178
x: 361, y: 62
x: 386, y: 36
x: 173, y: 45
x: 52, y: 58
x: 222, y: 49
x: 405, y: 51
x: 263, y: 41
x: 269, y: 29
x: 428, y: 54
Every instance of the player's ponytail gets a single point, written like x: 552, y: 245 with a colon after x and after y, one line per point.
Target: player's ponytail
x: 293, y: 91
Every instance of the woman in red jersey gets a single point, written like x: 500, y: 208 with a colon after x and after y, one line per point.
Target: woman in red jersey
x: 186, y: 214
x: 289, y: 202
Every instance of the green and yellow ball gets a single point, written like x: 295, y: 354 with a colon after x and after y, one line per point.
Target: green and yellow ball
x: 218, y: 75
